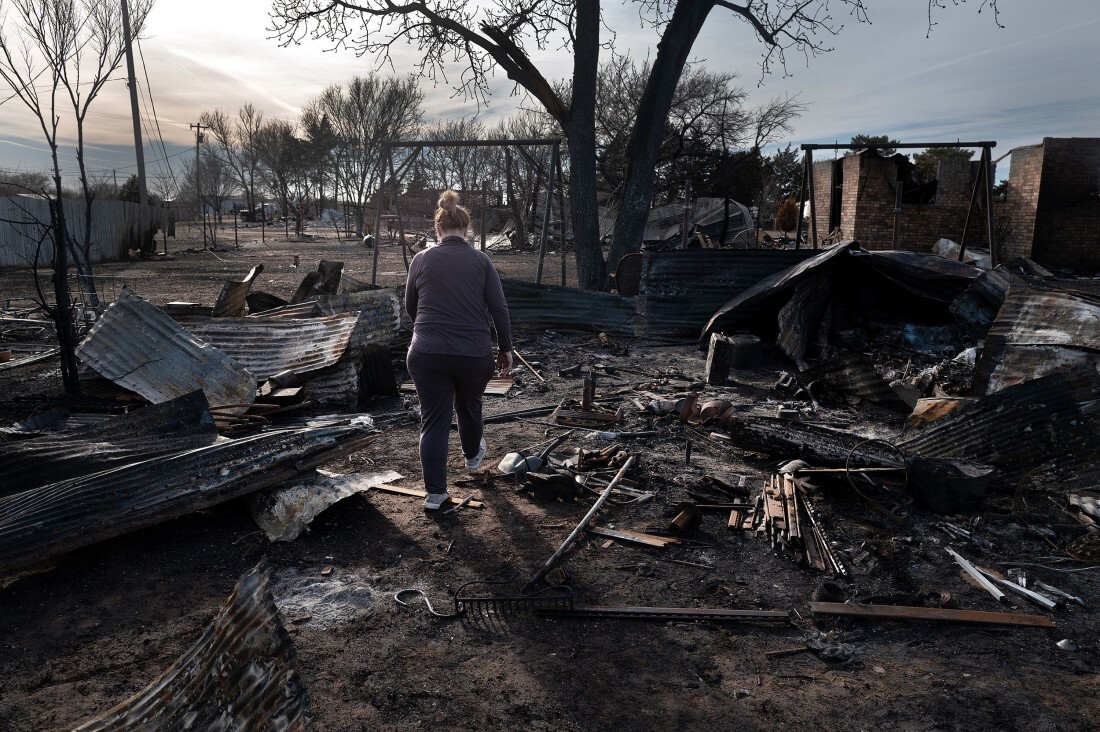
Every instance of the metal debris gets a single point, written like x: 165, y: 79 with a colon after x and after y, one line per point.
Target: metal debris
x: 240, y: 674
x: 139, y: 347
x: 284, y: 513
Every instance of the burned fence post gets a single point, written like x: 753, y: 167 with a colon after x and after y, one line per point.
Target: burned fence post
x: 719, y: 359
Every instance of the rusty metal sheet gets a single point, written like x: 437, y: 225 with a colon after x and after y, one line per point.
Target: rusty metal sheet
x: 976, y: 309
x: 774, y: 286
x: 1052, y: 420
x: 1038, y: 332
x: 240, y: 674
x: 336, y: 388
x: 266, y: 346
x: 232, y: 301
x: 680, y: 290
x: 153, y: 431
x: 381, y: 314
x: 138, y: 346
x: 52, y: 519
x: 551, y: 307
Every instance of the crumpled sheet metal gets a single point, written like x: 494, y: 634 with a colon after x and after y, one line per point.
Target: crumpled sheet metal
x: 976, y: 309
x: 232, y: 301
x: 925, y: 275
x: 743, y: 308
x: 1038, y: 332
x: 1053, y: 420
x: 849, y: 372
x: 551, y: 307
x: 680, y: 290
x: 60, y: 517
x: 181, y: 424
x: 381, y: 313
x: 284, y: 513
x: 266, y: 346
x: 336, y: 388
x: 241, y: 674
x: 138, y: 346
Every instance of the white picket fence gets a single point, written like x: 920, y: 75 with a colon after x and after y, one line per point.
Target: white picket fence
x: 116, y: 227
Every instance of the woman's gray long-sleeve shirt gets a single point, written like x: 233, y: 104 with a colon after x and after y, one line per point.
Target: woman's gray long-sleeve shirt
x: 450, y: 286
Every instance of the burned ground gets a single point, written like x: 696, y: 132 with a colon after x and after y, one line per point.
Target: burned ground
x: 107, y: 619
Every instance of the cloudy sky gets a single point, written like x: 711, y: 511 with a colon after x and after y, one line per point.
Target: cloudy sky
x: 970, y: 80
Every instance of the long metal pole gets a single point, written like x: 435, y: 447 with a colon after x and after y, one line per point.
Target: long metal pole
x: 973, y: 203
x: 552, y: 561
x: 382, y: 156
x: 546, y: 212
x: 198, y: 179
x: 813, y: 197
x: 561, y: 217
x: 801, y: 199
x: 897, y: 213
x: 989, y: 205
x: 131, y: 80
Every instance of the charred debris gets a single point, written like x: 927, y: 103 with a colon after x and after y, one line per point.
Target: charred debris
x: 853, y: 405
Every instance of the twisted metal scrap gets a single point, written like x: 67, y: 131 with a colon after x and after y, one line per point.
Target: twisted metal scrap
x: 239, y: 675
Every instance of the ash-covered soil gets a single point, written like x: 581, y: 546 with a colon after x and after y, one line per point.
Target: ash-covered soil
x: 106, y: 620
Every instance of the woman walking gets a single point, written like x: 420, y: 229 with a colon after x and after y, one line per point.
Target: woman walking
x: 451, y: 356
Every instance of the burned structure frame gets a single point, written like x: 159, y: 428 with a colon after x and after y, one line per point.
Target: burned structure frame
x: 396, y: 175
x: 983, y: 182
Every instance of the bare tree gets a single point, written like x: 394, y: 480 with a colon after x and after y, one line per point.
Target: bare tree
x: 235, y: 144
x: 21, y: 182
x: 365, y: 113
x: 507, y: 35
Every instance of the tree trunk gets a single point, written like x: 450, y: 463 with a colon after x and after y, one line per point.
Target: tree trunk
x: 62, y: 313
x: 646, y: 137
x: 580, y: 132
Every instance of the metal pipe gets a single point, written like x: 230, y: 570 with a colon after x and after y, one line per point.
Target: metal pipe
x: 801, y: 199
x: 572, y: 538
x: 546, y: 214
x: 897, y: 213
x: 813, y: 197
x: 989, y: 206
x: 378, y: 212
x: 973, y: 203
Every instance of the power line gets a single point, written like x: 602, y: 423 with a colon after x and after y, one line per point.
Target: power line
x: 152, y: 104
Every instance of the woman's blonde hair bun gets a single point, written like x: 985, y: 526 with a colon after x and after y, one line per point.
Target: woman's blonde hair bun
x: 450, y: 216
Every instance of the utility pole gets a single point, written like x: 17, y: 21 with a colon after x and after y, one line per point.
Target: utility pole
x: 198, y: 127
x: 131, y: 80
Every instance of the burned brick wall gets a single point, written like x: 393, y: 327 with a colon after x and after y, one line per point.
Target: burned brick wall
x: 864, y: 210
x: 1067, y: 222
x: 1016, y: 215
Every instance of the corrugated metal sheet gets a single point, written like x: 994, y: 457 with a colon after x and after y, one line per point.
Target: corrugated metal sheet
x: 138, y: 346
x: 232, y: 301
x: 1053, y: 419
x: 1038, y: 332
x: 46, y: 521
x: 681, y: 290
x: 241, y: 674
x: 926, y: 275
x: 749, y: 304
x: 266, y: 346
x: 160, y: 429
x: 116, y: 227
x: 335, y: 389
x: 976, y: 309
x: 550, y: 307
x: 381, y: 314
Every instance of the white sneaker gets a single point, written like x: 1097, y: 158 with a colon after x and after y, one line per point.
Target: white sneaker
x: 434, y: 500
x: 475, y: 462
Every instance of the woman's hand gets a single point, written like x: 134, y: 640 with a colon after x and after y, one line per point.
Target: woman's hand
x: 504, y: 362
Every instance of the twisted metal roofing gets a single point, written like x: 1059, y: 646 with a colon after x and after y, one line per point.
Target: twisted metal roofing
x: 541, y: 307
x: 180, y: 424
x: 266, y: 346
x: 49, y: 520
x: 240, y: 674
x: 138, y: 346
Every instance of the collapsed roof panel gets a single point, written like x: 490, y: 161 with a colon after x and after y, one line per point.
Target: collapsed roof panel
x: 927, y: 276
x: 1050, y: 419
x: 267, y: 346
x: 550, y: 307
x: 139, y: 347
x: 746, y: 306
x: 49, y: 520
x: 232, y: 302
x: 1038, y: 332
x: 240, y: 674
x: 180, y: 424
x: 680, y: 290
x: 977, y: 307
